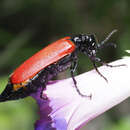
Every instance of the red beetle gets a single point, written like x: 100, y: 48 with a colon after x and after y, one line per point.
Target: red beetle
x: 48, y: 62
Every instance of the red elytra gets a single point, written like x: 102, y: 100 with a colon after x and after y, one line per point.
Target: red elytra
x: 48, y: 55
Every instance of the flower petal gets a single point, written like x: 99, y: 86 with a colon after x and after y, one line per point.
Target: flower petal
x: 65, y: 109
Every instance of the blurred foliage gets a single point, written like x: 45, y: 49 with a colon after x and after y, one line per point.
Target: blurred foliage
x: 17, y: 115
x: 26, y: 26
x: 123, y: 124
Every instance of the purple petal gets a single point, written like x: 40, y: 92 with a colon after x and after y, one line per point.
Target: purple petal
x: 65, y: 109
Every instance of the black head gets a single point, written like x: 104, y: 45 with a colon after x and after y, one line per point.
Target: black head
x: 86, y: 43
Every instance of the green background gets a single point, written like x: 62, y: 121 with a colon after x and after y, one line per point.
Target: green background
x: 26, y: 26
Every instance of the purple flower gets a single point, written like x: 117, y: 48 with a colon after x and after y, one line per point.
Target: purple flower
x: 65, y: 109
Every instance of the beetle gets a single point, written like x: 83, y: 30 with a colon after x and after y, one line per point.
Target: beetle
x: 51, y: 60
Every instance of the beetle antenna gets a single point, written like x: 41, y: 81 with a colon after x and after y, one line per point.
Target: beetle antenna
x: 108, y: 37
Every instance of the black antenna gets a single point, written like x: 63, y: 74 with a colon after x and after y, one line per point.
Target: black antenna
x: 108, y: 37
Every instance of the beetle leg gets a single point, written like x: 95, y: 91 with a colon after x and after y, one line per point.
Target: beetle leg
x: 73, y: 66
x: 42, y: 96
x: 72, y: 70
x: 106, y: 64
x: 42, y: 82
x: 95, y: 59
x: 94, y: 64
